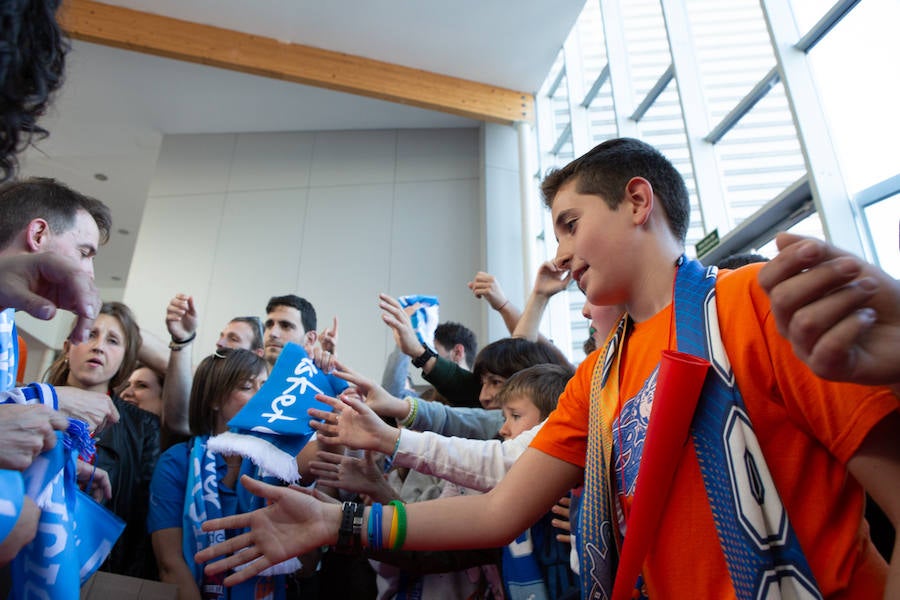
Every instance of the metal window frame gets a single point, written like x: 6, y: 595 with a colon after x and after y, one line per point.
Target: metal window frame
x: 790, y: 207
x: 655, y: 92
x: 825, y: 24
x: 744, y: 106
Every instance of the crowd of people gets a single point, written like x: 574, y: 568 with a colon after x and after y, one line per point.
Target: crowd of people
x: 511, y: 473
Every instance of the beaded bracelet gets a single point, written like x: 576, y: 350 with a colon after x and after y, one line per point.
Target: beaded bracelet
x: 413, y: 409
x: 398, y: 525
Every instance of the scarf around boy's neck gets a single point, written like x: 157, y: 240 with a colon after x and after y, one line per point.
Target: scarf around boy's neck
x: 761, y: 550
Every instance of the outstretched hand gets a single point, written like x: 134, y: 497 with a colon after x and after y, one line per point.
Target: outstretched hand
x: 43, y: 282
x: 400, y: 323
x: 377, y: 398
x: 352, y: 424
x: 292, y: 523
x: 352, y: 474
x: 841, y: 314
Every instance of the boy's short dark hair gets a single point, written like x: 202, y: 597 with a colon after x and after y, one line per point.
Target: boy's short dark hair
x: 542, y: 384
x: 307, y: 312
x: 48, y: 199
x: 508, y: 356
x: 450, y: 334
x: 606, y: 169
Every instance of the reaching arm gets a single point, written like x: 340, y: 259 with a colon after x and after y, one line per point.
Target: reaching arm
x: 352, y: 474
x: 294, y: 522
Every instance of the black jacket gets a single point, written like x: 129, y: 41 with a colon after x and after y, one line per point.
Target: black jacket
x: 128, y: 451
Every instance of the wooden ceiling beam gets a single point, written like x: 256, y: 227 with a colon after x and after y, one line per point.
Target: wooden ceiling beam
x: 119, y: 27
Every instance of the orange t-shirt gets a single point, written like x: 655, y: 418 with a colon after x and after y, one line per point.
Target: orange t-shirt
x: 807, y: 428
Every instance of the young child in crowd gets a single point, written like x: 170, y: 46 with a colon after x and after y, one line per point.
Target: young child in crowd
x: 535, y: 564
x: 768, y: 481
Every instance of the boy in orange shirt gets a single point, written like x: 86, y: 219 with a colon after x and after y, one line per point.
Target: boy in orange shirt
x: 760, y: 502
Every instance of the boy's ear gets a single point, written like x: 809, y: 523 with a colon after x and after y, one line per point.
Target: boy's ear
x: 639, y: 196
x: 36, y: 234
x: 458, y: 353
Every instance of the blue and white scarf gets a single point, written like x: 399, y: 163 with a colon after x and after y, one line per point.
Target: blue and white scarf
x: 761, y: 550
x: 9, y: 349
x: 425, y: 319
x: 536, y: 565
x: 273, y: 427
x: 201, y: 503
x: 75, y: 534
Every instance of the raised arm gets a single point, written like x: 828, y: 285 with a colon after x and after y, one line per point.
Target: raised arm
x: 484, y: 285
x: 181, y: 321
x: 549, y: 281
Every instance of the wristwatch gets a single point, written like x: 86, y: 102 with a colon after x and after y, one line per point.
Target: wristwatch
x: 423, y: 358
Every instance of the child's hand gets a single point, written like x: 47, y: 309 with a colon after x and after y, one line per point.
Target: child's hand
x: 562, y: 523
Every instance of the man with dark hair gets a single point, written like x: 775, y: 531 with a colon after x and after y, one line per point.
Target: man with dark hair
x: 58, y: 207
x: 457, y: 343
x: 49, y: 235
x: 41, y: 216
x: 289, y: 318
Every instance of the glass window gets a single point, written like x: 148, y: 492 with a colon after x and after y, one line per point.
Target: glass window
x: 589, y: 29
x: 663, y: 128
x: 733, y: 51
x: 883, y: 220
x: 648, y: 46
x: 858, y: 81
x: 808, y: 12
x: 760, y: 156
x: 810, y: 226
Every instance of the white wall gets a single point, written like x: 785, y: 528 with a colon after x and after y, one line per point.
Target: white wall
x: 336, y: 217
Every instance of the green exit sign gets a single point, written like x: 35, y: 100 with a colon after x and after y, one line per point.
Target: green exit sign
x: 709, y: 241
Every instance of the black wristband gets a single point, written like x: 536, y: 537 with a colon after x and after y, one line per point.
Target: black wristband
x: 350, y: 533
x: 178, y: 345
x: 423, y: 358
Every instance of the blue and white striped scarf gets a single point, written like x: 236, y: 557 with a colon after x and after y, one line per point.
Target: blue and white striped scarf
x: 761, y: 550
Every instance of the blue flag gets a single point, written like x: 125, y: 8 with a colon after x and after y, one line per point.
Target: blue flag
x: 273, y: 427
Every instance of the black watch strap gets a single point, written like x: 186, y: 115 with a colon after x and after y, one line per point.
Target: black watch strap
x: 350, y: 533
x: 423, y: 358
